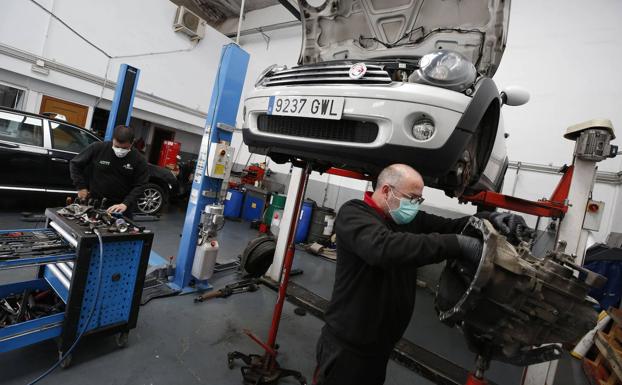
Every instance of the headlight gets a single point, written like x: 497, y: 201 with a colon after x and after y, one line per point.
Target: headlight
x: 268, y: 71
x: 423, y: 129
x: 447, y: 69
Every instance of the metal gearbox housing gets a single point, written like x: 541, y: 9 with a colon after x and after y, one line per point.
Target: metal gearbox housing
x: 593, y: 139
x: 513, y: 302
x: 594, y: 145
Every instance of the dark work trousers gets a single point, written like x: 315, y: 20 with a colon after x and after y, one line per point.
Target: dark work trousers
x: 338, y: 365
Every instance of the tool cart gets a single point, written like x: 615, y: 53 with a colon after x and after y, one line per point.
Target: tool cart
x: 72, y: 295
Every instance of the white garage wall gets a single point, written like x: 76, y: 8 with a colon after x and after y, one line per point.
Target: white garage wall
x: 567, y: 61
x: 123, y: 29
x: 616, y: 213
x: 189, y: 142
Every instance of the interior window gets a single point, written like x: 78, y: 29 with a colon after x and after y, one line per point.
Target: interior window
x: 68, y: 138
x: 21, y: 129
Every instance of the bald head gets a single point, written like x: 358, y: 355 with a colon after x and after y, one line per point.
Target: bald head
x: 397, y: 181
x: 399, y: 175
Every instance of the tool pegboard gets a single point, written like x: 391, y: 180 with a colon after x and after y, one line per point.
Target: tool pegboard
x: 116, y: 292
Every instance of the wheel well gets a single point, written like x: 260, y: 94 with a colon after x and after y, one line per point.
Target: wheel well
x: 486, y: 134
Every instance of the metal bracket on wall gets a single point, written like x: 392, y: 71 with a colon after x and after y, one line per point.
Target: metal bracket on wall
x: 265, y: 37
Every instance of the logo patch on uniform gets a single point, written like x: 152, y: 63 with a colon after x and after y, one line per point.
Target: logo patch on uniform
x: 128, y: 166
x: 104, y: 162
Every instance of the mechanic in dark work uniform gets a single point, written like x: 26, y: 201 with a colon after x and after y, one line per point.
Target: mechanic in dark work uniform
x: 381, y: 241
x: 111, y: 170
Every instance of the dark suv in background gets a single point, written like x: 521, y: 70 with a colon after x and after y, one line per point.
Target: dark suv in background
x: 35, y: 151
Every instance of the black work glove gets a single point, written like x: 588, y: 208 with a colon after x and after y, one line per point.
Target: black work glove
x: 470, y: 249
x: 511, y: 225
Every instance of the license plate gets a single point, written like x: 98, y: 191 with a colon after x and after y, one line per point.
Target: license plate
x: 306, y: 106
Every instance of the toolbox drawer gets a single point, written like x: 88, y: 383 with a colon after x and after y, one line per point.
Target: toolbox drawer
x: 32, y: 331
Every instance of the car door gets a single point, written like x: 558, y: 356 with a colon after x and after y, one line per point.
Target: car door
x: 66, y: 142
x: 22, y: 155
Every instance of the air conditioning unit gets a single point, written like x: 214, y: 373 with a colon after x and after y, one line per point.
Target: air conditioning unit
x: 189, y: 23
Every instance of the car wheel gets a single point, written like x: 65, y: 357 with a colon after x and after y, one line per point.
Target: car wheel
x: 152, y: 199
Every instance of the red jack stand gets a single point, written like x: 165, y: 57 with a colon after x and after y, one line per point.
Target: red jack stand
x: 477, y: 378
x: 472, y: 380
x: 260, y: 370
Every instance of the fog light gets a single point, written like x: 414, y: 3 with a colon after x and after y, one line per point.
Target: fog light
x: 423, y: 129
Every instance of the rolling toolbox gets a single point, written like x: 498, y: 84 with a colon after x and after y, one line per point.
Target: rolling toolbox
x: 71, y: 270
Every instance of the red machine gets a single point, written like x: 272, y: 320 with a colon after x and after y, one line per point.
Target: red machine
x: 168, y: 154
x: 253, y: 173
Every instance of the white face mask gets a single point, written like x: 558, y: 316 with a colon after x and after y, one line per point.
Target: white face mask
x: 120, y: 152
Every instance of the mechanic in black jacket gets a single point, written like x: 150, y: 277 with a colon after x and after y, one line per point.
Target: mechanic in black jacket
x: 381, y: 241
x: 111, y: 170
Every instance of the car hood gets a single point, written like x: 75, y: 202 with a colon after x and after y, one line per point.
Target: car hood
x: 405, y: 29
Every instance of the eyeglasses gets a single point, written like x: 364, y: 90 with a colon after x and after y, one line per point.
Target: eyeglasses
x: 411, y: 199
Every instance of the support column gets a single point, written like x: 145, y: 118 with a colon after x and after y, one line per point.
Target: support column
x: 123, y: 100
x: 571, y: 228
x: 205, y: 190
x: 288, y: 211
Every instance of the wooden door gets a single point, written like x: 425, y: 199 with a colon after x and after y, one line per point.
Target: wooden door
x: 75, y: 113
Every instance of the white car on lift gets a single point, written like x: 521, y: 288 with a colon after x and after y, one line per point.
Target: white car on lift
x: 380, y: 82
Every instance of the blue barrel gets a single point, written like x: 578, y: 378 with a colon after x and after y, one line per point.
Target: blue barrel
x: 254, y: 202
x: 304, y: 221
x: 233, y: 203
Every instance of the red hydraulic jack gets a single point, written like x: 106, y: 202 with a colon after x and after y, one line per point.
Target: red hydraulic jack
x: 264, y: 369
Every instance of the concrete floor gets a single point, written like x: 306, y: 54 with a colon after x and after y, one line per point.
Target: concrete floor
x: 179, y: 342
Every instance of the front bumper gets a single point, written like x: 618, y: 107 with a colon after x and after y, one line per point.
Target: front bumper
x: 430, y: 162
x: 446, y: 161
x: 390, y: 110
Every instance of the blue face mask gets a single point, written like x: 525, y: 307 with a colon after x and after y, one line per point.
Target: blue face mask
x: 405, y: 213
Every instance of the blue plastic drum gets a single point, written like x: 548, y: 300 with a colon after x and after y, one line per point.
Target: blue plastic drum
x: 304, y: 221
x: 233, y: 203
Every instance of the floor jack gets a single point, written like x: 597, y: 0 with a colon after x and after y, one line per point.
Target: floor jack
x: 264, y: 369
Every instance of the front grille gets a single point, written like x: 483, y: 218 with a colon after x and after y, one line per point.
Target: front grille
x: 353, y: 131
x: 326, y: 74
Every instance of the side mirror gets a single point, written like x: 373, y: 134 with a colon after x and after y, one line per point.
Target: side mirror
x: 514, y: 96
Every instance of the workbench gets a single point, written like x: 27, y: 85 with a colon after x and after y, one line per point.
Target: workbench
x: 72, y: 271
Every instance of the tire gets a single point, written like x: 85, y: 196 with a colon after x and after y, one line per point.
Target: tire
x: 152, y: 200
x: 258, y: 256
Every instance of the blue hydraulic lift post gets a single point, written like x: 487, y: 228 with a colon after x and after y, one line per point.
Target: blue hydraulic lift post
x: 121, y: 110
x: 223, y: 108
